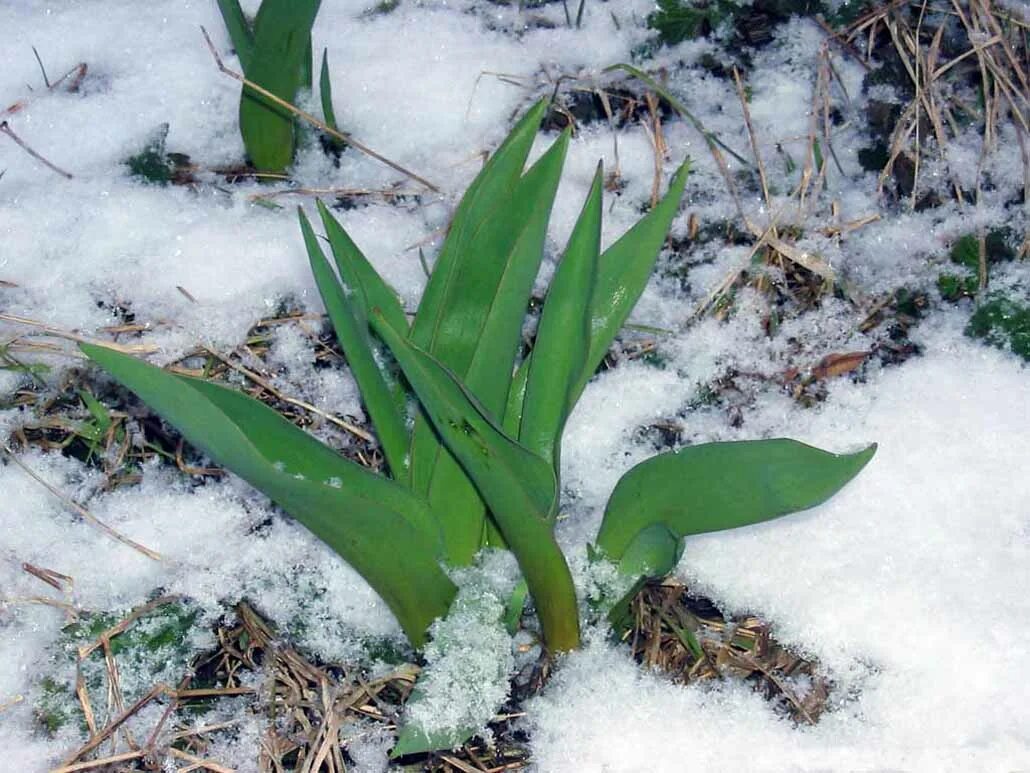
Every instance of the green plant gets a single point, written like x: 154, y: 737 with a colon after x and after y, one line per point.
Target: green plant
x: 479, y: 464
x: 275, y: 53
x: 1002, y: 322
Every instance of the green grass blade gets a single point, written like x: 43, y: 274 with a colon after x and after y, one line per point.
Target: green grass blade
x: 379, y: 527
x: 717, y: 486
x: 517, y: 485
x: 477, y: 337
x: 239, y: 30
x: 563, y: 335
x: 351, y: 325
x: 282, y: 39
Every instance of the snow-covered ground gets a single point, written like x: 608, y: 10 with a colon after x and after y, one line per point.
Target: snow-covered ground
x: 911, y: 588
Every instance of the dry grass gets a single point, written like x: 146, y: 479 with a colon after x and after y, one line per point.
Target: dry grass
x: 309, y: 713
x: 691, y: 641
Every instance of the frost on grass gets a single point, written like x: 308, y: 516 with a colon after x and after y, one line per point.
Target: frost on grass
x: 470, y: 660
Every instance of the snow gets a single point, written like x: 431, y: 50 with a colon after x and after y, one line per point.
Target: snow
x: 910, y: 587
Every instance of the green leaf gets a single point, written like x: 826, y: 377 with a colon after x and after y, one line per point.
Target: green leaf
x: 351, y: 324
x: 370, y: 290
x: 717, y: 486
x: 486, y: 195
x: 379, y: 527
x: 623, y: 272
x: 239, y: 30
x: 282, y: 40
x: 476, y: 304
x: 653, y: 552
x: 563, y: 335
x: 325, y: 91
x: 412, y: 739
x: 97, y: 410
x: 517, y: 485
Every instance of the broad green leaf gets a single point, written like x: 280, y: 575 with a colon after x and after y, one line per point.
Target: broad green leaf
x: 282, y: 39
x: 717, y: 486
x: 654, y: 552
x: 623, y: 271
x: 325, y: 91
x: 489, y: 193
x: 518, y: 486
x: 239, y: 30
x: 379, y: 527
x: 477, y: 335
x: 370, y: 290
x: 563, y: 335
x: 352, y: 331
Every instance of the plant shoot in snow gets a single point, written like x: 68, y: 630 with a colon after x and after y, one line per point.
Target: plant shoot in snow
x: 479, y: 464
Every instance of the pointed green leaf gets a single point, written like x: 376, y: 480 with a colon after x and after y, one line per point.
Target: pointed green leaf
x: 325, y: 91
x: 517, y: 485
x: 653, y: 552
x: 412, y: 739
x: 563, y: 335
x: 476, y: 334
x: 239, y: 30
x: 386, y: 533
x: 282, y: 40
x: 717, y: 486
x: 370, y: 289
x: 623, y: 272
x: 487, y: 194
x: 352, y: 331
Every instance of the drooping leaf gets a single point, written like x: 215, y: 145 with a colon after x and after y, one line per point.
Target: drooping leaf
x: 518, y: 486
x: 282, y: 40
x: 717, y: 486
x: 350, y: 322
x: 239, y: 30
x: 379, y: 527
x: 482, y: 298
x: 563, y: 335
